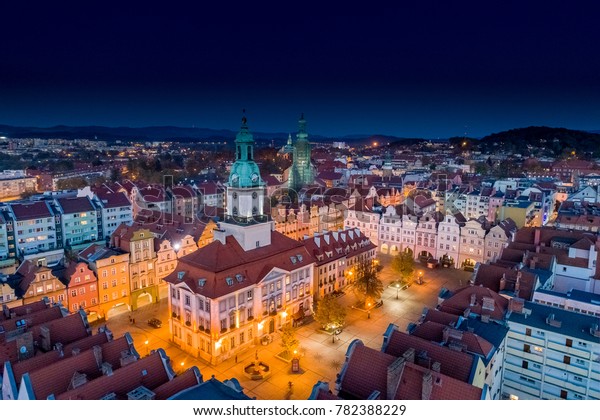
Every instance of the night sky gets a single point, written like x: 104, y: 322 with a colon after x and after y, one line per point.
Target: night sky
x: 427, y: 69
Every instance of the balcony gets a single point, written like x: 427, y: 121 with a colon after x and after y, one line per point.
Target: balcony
x: 524, y: 355
x: 526, y: 338
x: 568, y: 350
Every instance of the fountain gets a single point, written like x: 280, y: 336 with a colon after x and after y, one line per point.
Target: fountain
x: 257, y: 370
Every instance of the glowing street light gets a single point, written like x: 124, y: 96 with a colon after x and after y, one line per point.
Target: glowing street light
x: 397, y: 290
x: 369, y: 310
x: 146, y: 343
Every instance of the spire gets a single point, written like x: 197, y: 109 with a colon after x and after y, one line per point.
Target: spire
x: 289, y: 142
x: 244, y: 172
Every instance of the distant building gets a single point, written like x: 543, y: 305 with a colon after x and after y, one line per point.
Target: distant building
x: 302, y: 170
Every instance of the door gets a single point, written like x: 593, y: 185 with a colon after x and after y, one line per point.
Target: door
x: 271, y: 326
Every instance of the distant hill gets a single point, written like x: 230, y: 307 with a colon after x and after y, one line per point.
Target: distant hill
x: 550, y: 139
x: 162, y: 133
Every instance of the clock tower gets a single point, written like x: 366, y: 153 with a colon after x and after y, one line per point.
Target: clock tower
x: 245, y: 218
x: 302, y: 170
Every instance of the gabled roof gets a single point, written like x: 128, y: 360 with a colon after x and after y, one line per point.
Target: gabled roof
x: 186, y: 380
x: 444, y: 387
x: 462, y: 298
x: 216, y: 262
x: 27, y: 309
x: 149, y: 371
x: 455, y: 364
x: 472, y: 343
x: 365, y: 373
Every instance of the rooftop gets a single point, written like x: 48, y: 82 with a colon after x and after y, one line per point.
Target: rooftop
x: 571, y: 324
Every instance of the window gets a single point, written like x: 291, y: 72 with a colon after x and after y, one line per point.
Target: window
x: 526, y: 348
x: 563, y: 394
x: 73, y: 292
x: 525, y: 364
x: 567, y: 360
x: 232, y: 342
x: 187, y: 300
x: 287, y: 296
x: 569, y: 342
x: 241, y: 338
x: 223, y: 324
x: 249, y: 295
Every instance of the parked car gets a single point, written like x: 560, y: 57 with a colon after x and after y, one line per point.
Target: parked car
x: 155, y: 322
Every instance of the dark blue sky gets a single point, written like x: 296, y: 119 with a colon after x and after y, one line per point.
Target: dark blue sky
x: 430, y: 69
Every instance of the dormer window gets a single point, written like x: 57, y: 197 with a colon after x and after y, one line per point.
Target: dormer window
x: 239, y: 278
x: 229, y: 281
x: 299, y: 257
x: 293, y: 259
x: 201, y: 282
x: 180, y: 275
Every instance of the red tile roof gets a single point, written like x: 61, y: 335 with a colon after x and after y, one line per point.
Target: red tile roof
x: 33, y: 210
x: 32, y: 364
x: 34, y: 318
x: 56, y: 378
x: 473, y: 343
x: 64, y: 330
x: 502, y: 279
x: 455, y: 364
x: 366, y: 372
x: 29, y: 308
x: 149, y: 372
x: 461, y: 300
x: 217, y: 261
x: 186, y: 380
x: 444, y: 387
x: 331, y: 246
x: 441, y: 317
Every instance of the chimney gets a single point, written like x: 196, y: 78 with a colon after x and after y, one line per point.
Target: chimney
x: 107, y: 369
x: 518, y: 283
x: 409, y: 355
x: 127, y: 358
x: 536, y: 236
x: 502, y: 282
x: 427, y: 386
x: 436, y: 367
x: 98, y: 355
x: 394, y: 375
x: 533, y: 263
x: 78, y: 380
x: 473, y: 301
x: 75, y: 351
x: 446, y: 334
x: 45, y: 338
x: 6, y: 311
x: 59, y: 349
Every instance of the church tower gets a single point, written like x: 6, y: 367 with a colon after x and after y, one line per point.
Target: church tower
x: 387, y: 167
x: 245, y: 218
x: 302, y: 171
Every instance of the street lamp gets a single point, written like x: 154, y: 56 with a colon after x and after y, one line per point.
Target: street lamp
x: 420, y: 277
x: 397, y: 289
x: 146, y: 343
x: 369, y: 310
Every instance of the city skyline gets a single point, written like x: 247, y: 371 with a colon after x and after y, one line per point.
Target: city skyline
x: 404, y: 70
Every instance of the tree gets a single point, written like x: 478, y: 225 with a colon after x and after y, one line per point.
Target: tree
x: 404, y: 265
x: 289, y: 342
x: 330, y: 314
x: 367, y: 287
